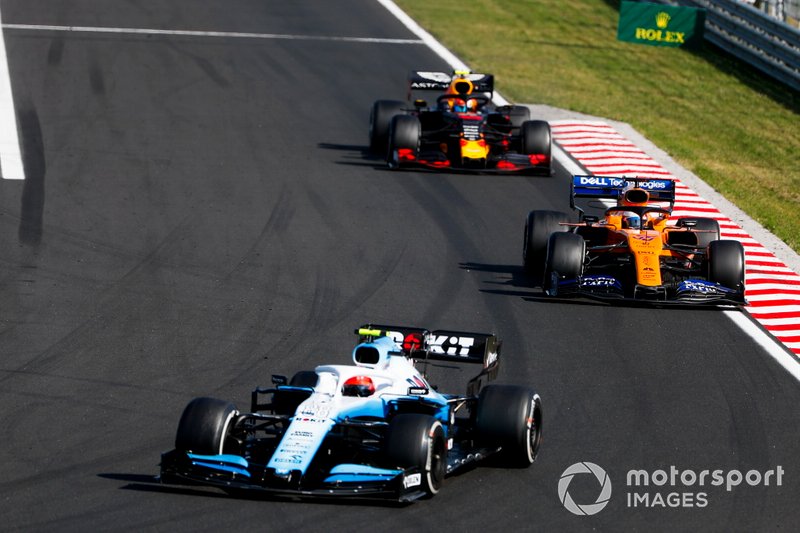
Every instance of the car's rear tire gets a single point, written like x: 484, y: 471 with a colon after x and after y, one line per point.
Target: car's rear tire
x: 304, y: 378
x: 204, y: 426
x: 511, y: 417
x: 404, y: 133
x: 538, y: 227
x: 565, y: 256
x: 518, y: 115
x: 535, y: 137
x: 726, y: 264
x: 285, y: 402
x: 709, y: 229
x: 380, y: 118
x: 417, y: 440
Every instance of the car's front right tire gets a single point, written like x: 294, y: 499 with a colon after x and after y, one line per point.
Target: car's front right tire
x: 539, y: 225
x: 418, y: 441
x: 565, y: 257
x: 380, y: 118
x: 510, y: 416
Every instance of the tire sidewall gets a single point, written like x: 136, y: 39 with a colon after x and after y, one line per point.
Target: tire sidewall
x: 510, y: 416
x: 535, y: 137
x: 726, y: 263
x: 565, y: 257
x: 418, y: 441
x: 380, y: 118
x: 204, y: 425
x: 539, y: 225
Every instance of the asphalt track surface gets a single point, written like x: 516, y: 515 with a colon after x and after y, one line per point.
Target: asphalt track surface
x: 201, y: 212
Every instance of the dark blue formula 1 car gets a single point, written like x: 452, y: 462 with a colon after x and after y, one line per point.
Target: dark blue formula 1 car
x: 373, y: 429
x: 463, y: 131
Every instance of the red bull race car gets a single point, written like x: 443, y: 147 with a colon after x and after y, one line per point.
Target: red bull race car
x: 461, y: 130
x: 375, y: 428
x: 632, y: 250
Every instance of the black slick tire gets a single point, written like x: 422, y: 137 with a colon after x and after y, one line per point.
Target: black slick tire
x: 418, y: 441
x: 510, y: 416
x: 204, y: 425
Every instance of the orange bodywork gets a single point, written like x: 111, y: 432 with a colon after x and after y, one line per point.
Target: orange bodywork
x: 646, y: 245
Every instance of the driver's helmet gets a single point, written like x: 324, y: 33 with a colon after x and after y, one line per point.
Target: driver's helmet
x: 459, y: 105
x: 631, y: 220
x: 360, y: 386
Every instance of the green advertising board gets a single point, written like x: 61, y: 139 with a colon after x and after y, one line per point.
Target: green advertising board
x: 660, y: 25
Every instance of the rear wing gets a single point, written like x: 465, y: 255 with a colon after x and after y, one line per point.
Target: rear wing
x: 442, y: 345
x: 439, y: 81
x: 599, y: 188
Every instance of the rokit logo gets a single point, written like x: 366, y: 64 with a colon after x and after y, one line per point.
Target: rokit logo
x: 441, y: 344
x: 451, y: 345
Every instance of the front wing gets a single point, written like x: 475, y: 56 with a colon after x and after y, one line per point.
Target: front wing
x: 686, y: 292
x: 536, y: 164
x: 235, y: 473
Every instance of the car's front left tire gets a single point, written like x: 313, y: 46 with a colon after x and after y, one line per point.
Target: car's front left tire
x: 726, y: 263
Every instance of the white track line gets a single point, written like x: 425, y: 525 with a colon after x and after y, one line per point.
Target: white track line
x: 192, y: 33
x: 776, y: 351
x: 10, y: 154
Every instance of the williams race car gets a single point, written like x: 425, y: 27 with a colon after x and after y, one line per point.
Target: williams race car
x: 632, y: 251
x: 462, y: 130
x: 373, y: 429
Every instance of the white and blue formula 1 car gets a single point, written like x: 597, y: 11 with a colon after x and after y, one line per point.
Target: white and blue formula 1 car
x: 374, y: 429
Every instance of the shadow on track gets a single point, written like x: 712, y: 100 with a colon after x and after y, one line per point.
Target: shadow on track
x: 515, y: 276
x: 151, y: 483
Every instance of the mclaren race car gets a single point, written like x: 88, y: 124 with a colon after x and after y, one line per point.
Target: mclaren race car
x: 632, y: 250
x: 372, y: 429
x: 461, y: 130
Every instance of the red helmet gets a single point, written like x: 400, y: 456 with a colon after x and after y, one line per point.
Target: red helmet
x: 358, y: 386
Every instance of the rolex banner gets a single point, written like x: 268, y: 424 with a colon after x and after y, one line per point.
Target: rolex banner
x: 660, y: 25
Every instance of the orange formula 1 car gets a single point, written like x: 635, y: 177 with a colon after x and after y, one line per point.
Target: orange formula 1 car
x: 631, y: 250
x: 462, y: 131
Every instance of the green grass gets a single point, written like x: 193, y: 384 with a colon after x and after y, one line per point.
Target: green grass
x: 731, y: 126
